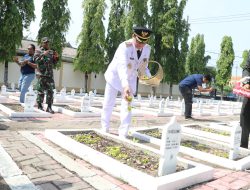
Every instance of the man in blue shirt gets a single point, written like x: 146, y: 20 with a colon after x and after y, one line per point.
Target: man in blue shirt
x: 28, y: 67
x: 186, y: 86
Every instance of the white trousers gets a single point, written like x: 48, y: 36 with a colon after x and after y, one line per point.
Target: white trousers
x: 108, y: 104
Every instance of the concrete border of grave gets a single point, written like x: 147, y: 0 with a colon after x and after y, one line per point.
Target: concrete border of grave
x: 92, y: 113
x: 240, y: 164
x: 197, y: 174
x: 37, y: 113
x: 205, y: 134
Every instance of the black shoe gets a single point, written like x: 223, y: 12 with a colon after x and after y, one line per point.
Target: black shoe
x: 188, y: 118
x: 49, y: 109
x: 40, y: 107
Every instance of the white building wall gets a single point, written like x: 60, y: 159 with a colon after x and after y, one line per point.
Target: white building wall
x: 67, y: 77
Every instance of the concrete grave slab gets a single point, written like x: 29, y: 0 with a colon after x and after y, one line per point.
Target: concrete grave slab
x: 11, y: 113
x: 93, y: 112
x: 195, y: 173
x: 239, y: 164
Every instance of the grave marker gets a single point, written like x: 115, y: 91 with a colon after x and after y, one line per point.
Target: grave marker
x: 235, y: 141
x: 3, y: 90
x: 169, y: 148
x: 161, y: 106
x: 85, y: 104
x: 29, y: 100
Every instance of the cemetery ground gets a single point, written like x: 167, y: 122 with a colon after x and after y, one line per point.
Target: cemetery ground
x: 31, y: 161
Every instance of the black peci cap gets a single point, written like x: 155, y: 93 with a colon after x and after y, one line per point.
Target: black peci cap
x: 142, y: 34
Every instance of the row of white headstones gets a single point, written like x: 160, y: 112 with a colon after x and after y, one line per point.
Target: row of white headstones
x: 165, y: 103
x: 30, y: 98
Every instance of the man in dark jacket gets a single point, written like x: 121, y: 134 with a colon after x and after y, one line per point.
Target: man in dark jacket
x: 186, y: 86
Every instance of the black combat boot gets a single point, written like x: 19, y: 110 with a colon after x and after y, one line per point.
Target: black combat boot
x: 49, y: 109
x: 40, y: 106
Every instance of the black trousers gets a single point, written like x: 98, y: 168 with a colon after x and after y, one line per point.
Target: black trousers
x: 245, y: 122
x: 186, y: 92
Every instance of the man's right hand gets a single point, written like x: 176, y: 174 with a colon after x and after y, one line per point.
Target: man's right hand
x: 126, y: 93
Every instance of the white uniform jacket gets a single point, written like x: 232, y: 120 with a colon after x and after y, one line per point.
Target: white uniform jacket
x: 122, y: 71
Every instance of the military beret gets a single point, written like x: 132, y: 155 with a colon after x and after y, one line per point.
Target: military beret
x: 45, y: 39
x: 142, y: 34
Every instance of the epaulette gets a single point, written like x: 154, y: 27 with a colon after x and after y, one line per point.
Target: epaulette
x: 128, y: 44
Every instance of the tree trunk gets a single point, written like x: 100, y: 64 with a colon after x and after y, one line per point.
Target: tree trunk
x: 86, y: 82
x: 6, y: 65
x: 221, y: 89
x: 170, y: 89
x: 154, y: 90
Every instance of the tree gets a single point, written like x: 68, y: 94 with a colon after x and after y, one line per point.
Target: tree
x: 170, y: 38
x: 54, y: 24
x: 137, y: 15
x: 90, y: 52
x: 116, y: 31
x: 225, y: 63
x: 245, y: 55
x: 196, y: 59
x: 14, y: 16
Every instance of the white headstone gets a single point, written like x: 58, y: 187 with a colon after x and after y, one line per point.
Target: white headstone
x: 182, y: 107
x: 85, y: 104
x: 29, y: 100
x: 150, y: 102
x: 91, y: 96
x: 139, y: 97
x: 73, y: 92
x: 81, y: 91
x: 235, y: 140
x: 13, y: 86
x: 170, y: 144
x: 200, y: 107
x: 155, y: 98
x: 54, y: 92
x: 3, y: 90
x: 63, y: 93
x: 161, y: 106
x: 167, y: 102
x: 218, y: 107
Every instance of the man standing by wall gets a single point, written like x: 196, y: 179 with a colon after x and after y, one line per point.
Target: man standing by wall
x: 121, y: 76
x: 28, y: 66
x: 45, y: 60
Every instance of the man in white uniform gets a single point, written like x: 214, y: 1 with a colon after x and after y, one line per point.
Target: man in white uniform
x: 121, y: 75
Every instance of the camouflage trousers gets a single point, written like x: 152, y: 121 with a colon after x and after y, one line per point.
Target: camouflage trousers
x: 45, y: 85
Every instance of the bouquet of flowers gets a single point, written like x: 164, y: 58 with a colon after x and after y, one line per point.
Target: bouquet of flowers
x: 242, y: 87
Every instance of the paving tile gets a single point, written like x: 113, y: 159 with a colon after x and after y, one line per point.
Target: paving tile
x: 28, y: 169
x: 238, y: 184
x: 46, y: 179
x: 76, y: 186
x: 29, y: 162
x: 47, y: 186
x: 41, y: 174
x: 63, y: 172
x: 228, y: 179
x: 113, y: 180
x: 203, y: 187
x: 127, y: 187
x: 238, y: 174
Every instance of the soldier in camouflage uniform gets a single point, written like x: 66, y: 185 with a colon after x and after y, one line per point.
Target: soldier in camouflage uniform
x: 45, y: 59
